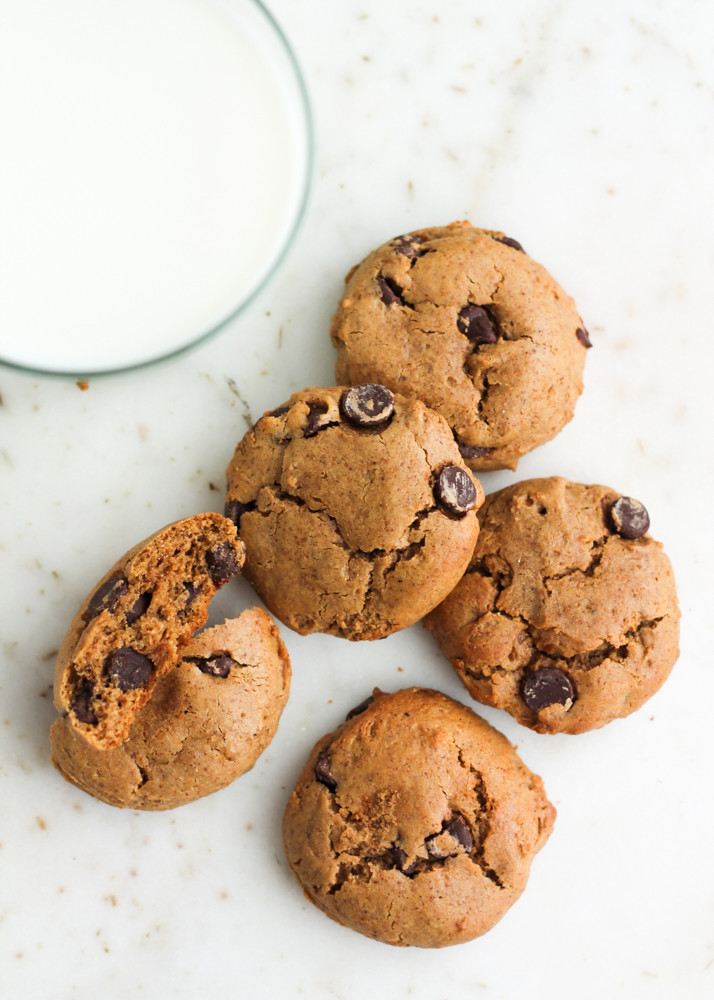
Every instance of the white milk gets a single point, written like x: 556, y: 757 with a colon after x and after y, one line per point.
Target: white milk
x: 153, y: 164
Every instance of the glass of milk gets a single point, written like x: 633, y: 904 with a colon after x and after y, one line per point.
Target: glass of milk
x: 155, y: 159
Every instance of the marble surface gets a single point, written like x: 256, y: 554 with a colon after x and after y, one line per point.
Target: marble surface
x: 583, y: 130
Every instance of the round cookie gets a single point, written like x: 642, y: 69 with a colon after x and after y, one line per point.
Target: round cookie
x: 207, y: 723
x: 129, y: 631
x: 465, y: 320
x: 356, y: 509
x: 567, y: 616
x: 415, y: 822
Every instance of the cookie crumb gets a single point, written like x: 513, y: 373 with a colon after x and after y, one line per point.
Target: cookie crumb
x: 83, y: 385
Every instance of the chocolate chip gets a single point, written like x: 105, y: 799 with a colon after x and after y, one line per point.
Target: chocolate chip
x: 582, y: 334
x: 476, y: 323
x: 222, y: 563
x: 455, y: 491
x: 457, y: 835
x: 509, y: 242
x: 234, y: 510
x: 129, y: 668
x: 218, y: 665
x: 547, y: 686
x: 460, y: 832
x: 473, y: 450
x: 408, y: 246
x: 192, y: 593
x: 82, y: 704
x: 400, y: 860
x: 358, y: 709
x: 139, y: 607
x: 315, y: 419
x: 389, y: 291
x: 105, y: 597
x: 279, y: 411
x: 323, y: 773
x: 368, y: 405
x: 629, y: 517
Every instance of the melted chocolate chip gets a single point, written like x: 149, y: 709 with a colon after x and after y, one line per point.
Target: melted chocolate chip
x: 478, y: 324
x: 582, y: 334
x: 222, y: 563
x: 82, y: 704
x: 128, y: 668
x: 629, y: 517
x: 458, y: 835
x: 234, y: 510
x: 139, y: 607
x: 408, y: 246
x: 358, y: 709
x: 455, y: 491
x: 460, y: 832
x: 469, y: 451
x: 400, y: 860
x: 279, y: 411
x: 192, y: 593
x: 509, y: 242
x: 368, y: 405
x: 218, y: 665
x: 323, y: 773
x: 547, y: 686
x: 389, y: 291
x: 105, y: 597
x: 316, y: 419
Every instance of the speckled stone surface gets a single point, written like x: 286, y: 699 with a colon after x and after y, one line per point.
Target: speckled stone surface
x: 581, y: 130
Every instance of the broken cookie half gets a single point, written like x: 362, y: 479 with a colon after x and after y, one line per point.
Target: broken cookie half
x: 154, y: 713
x: 207, y: 722
x: 130, y: 630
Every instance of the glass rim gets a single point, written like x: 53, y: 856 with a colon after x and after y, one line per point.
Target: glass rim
x: 298, y: 213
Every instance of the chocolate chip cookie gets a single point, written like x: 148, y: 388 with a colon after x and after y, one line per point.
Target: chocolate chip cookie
x: 567, y: 616
x: 207, y: 722
x: 465, y: 320
x: 415, y: 822
x: 128, y: 633
x: 356, y: 509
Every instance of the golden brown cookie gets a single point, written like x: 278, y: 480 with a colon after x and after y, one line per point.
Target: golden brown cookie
x: 207, y: 723
x: 415, y: 822
x: 466, y: 321
x: 356, y: 509
x: 130, y: 630
x: 567, y: 616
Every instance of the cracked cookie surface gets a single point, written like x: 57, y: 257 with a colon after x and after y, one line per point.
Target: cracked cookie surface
x: 465, y: 320
x: 129, y: 631
x: 351, y: 526
x: 563, y: 618
x: 207, y: 723
x: 415, y: 822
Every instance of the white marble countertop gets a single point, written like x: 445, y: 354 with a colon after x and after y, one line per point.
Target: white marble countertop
x: 583, y: 130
